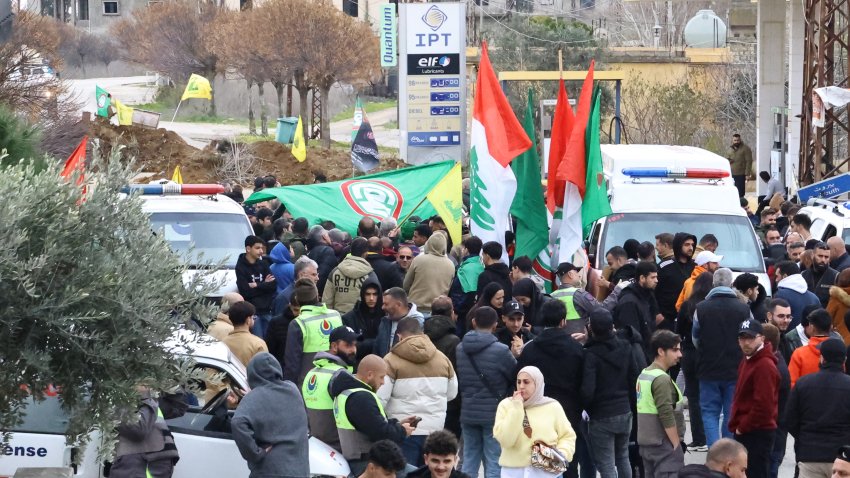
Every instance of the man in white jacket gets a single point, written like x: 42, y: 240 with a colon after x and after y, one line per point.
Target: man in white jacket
x: 420, y: 382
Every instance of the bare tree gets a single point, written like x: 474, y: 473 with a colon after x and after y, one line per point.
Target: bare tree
x: 631, y: 23
x: 172, y: 38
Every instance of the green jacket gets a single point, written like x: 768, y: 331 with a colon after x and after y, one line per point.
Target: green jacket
x: 741, y: 160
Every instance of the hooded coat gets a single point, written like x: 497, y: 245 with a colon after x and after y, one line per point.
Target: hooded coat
x: 795, y: 290
x: 385, y: 269
x: 820, y: 284
x: 671, y: 277
x: 430, y: 274
x: 497, y: 365
x: 272, y: 415
x: 260, y: 297
x: 839, y: 304
x: 365, y: 321
x: 634, y: 309
x: 441, y: 330
x: 342, y: 290
x: 755, y: 406
x: 420, y: 382
x: 608, y: 378
x: 282, y: 267
x: 527, y: 288
x: 496, y: 272
x: 688, y: 285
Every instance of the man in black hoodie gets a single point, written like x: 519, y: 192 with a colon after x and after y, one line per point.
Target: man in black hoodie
x: 672, y: 275
x: 365, y: 317
x: 608, y: 381
x: 494, y: 269
x: 561, y: 360
x: 256, y: 283
x: 634, y: 307
x: 440, y: 328
x: 385, y: 268
x: 318, y: 243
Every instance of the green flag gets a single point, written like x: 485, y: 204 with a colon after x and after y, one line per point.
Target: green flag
x: 595, y: 204
x: 389, y: 194
x: 103, y: 101
x: 528, y: 206
x: 358, y: 118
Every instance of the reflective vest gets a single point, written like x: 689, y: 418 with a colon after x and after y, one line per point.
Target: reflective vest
x: 567, y: 296
x: 645, y: 401
x: 316, y: 323
x: 315, y: 387
x: 355, y: 444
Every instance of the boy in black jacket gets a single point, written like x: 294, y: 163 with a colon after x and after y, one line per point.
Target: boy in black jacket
x: 256, y: 283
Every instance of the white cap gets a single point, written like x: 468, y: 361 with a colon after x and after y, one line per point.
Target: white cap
x: 705, y: 257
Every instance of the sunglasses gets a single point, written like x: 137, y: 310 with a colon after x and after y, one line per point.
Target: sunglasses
x: 405, y: 258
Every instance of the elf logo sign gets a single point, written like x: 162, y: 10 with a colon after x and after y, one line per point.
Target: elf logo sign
x: 376, y: 199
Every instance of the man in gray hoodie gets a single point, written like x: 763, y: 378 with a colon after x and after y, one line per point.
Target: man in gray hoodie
x: 270, y: 424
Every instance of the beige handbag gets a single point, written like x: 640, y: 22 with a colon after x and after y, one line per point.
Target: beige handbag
x: 543, y: 456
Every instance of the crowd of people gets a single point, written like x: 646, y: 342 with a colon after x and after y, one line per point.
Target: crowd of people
x: 413, y: 355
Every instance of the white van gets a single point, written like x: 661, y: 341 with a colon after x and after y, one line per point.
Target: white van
x: 203, y: 440
x: 659, y: 188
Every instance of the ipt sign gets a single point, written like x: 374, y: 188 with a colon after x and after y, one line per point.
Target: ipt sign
x: 434, y: 27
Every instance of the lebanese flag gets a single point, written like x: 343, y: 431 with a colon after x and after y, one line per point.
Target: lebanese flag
x: 497, y: 138
x: 562, y: 125
x: 76, y: 161
x: 573, y: 170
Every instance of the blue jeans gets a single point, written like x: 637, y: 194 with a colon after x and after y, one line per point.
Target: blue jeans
x: 412, y: 449
x: 478, y: 443
x: 609, y: 439
x: 261, y: 324
x: 715, y: 397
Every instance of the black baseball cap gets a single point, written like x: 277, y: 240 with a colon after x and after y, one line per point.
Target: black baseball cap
x: 512, y: 307
x: 833, y: 351
x: 346, y: 334
x: 751, y: 328
x: 565, y: 267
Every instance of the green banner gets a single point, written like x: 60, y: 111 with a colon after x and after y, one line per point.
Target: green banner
x: 103, y: 101
x: 387, y: 194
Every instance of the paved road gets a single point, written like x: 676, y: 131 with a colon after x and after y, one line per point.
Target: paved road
x: 131, y: 90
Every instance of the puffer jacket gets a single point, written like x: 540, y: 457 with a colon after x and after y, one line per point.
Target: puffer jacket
x: 672, y: 274
x: 430, y: 274
x: 441, y: 330
x: 420, y: 382
x: 282, y: 267
x: 795, y: 290
x: 342, y: 290
x: 496, y: 363
x: 839, y: 304
x: 688, y: 285
x: 386, y: 330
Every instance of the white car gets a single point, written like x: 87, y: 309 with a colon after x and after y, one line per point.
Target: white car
x: 198, y: 216
x: 828, y: 219
x: 203, y: 440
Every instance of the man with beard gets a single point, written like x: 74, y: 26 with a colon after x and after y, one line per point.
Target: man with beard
x: 820, y: 277
x: 672, y: 274
x: 317, y: 398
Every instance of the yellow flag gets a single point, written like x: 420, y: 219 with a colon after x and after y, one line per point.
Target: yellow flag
x: 446, y: 199
x: 197, y: 87
x: 299, y: 149
x: 177, y: 177
x: 125, y: 113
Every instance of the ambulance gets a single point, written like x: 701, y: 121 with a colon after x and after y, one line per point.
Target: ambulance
x: 661, y: 188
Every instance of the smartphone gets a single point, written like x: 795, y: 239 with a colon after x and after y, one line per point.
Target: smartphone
x: 415, y: 421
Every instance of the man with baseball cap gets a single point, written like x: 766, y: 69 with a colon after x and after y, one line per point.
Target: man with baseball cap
x: 320, y: 405
x: 516, y: 332
x: 580, y: 303
x: 817, y: 414
x: 841, y: 465
x: 706, y: 261
x: 756, y: 402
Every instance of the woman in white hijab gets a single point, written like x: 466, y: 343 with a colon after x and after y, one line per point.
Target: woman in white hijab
x: 526, y: 419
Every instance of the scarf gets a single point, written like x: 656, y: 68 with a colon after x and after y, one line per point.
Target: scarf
x: 537, y: 398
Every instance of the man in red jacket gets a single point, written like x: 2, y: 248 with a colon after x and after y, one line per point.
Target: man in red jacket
x: 756, y: 403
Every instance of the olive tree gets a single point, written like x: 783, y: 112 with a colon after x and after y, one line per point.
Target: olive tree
x: 90, y: 296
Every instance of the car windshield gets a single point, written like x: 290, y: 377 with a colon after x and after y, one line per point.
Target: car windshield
x: 736, y: 240
x: 217, y: 237
x: 45, y: 416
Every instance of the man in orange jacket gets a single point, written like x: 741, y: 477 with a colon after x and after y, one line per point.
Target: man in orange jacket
x: 706, y: 261
x: 806, y: 359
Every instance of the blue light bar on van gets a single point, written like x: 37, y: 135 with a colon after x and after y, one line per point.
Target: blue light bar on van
x: 171, y: 189
x: 676, y: 173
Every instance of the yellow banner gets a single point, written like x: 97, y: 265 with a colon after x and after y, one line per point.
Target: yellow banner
x: 177, y: 177
x: 197, y: 87
x: 299, y: 149
x: 125, y: 113
x: 447, y: 200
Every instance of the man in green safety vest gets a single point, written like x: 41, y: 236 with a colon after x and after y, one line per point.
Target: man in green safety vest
x: 360, y: 417
x: 580, y: 303
x: 660, y: 422
x: 317, y: 398
x: 309, y: 333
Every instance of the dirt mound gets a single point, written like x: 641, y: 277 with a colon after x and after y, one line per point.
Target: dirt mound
x: 158, y: 151
x: 335, y: 164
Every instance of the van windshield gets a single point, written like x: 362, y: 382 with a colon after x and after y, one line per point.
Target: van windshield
x: 219, y: 237
x: 736, y: 241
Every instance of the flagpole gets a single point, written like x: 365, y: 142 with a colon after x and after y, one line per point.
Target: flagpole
x: 561, y: 62
x: 175, y: 111
x: 411, y: 212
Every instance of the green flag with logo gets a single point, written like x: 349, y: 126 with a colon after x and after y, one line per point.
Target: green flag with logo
x: 103, y: 101
x: 529, y: 208
x: 389, y: 194
x: 595, y: 204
